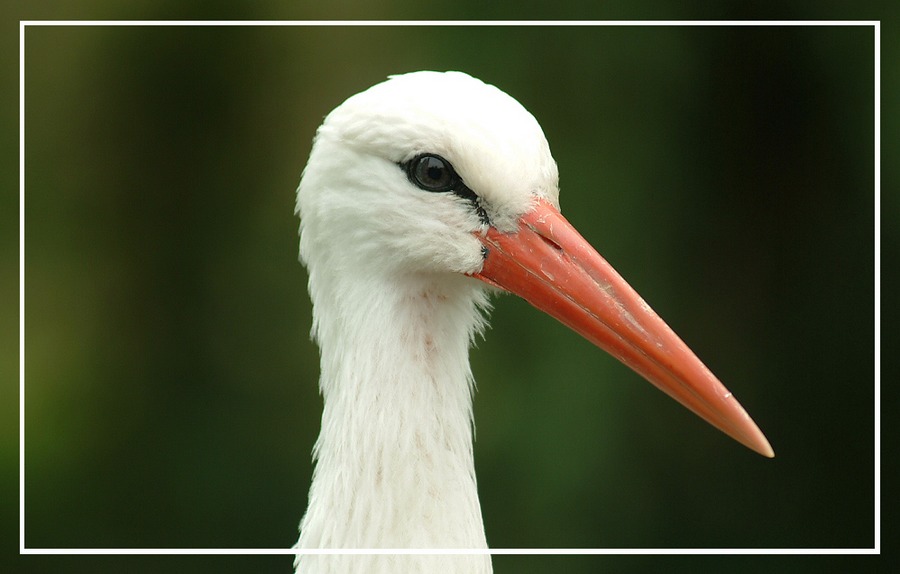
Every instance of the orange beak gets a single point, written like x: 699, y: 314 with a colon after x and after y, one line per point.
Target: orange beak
x: 549, y: 264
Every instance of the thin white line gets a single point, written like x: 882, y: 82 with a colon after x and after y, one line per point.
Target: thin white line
x: 455, y: 23
x: 445, y: 551
x: 157, y: 551
x: 878, y: 286
x: 685, y: 551
x: 21, y: 286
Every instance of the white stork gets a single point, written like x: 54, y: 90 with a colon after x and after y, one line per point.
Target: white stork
x: 421, y: 196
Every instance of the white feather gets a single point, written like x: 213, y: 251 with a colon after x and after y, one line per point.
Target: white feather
x: 394, y: 313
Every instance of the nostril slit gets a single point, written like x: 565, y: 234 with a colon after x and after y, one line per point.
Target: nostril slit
x: 556, y: 246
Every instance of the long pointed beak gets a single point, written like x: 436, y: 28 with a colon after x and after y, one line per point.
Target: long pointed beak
x: 549, y: 264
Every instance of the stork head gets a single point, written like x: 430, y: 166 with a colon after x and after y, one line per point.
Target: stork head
x: 440, y: 173
x: 405, y: 175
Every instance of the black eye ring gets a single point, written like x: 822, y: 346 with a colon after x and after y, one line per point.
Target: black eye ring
x: 431, y: 172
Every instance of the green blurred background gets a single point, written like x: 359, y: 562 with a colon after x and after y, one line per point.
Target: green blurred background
x: 727, y: 172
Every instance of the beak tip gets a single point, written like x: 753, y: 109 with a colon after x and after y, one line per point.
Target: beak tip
x: 758, y: 443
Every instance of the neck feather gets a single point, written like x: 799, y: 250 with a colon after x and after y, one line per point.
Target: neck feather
x: 394, y: 461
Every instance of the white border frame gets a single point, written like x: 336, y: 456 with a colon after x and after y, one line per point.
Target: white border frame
x: 24, y: 550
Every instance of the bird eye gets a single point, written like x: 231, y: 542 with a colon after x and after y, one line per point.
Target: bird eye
x: 432, y: 173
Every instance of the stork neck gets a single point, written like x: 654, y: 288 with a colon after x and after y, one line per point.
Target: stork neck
x: 395, y: 466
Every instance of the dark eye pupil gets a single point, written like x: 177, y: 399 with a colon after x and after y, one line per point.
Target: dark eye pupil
x: 435, y: 173
x: 432, y: 173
